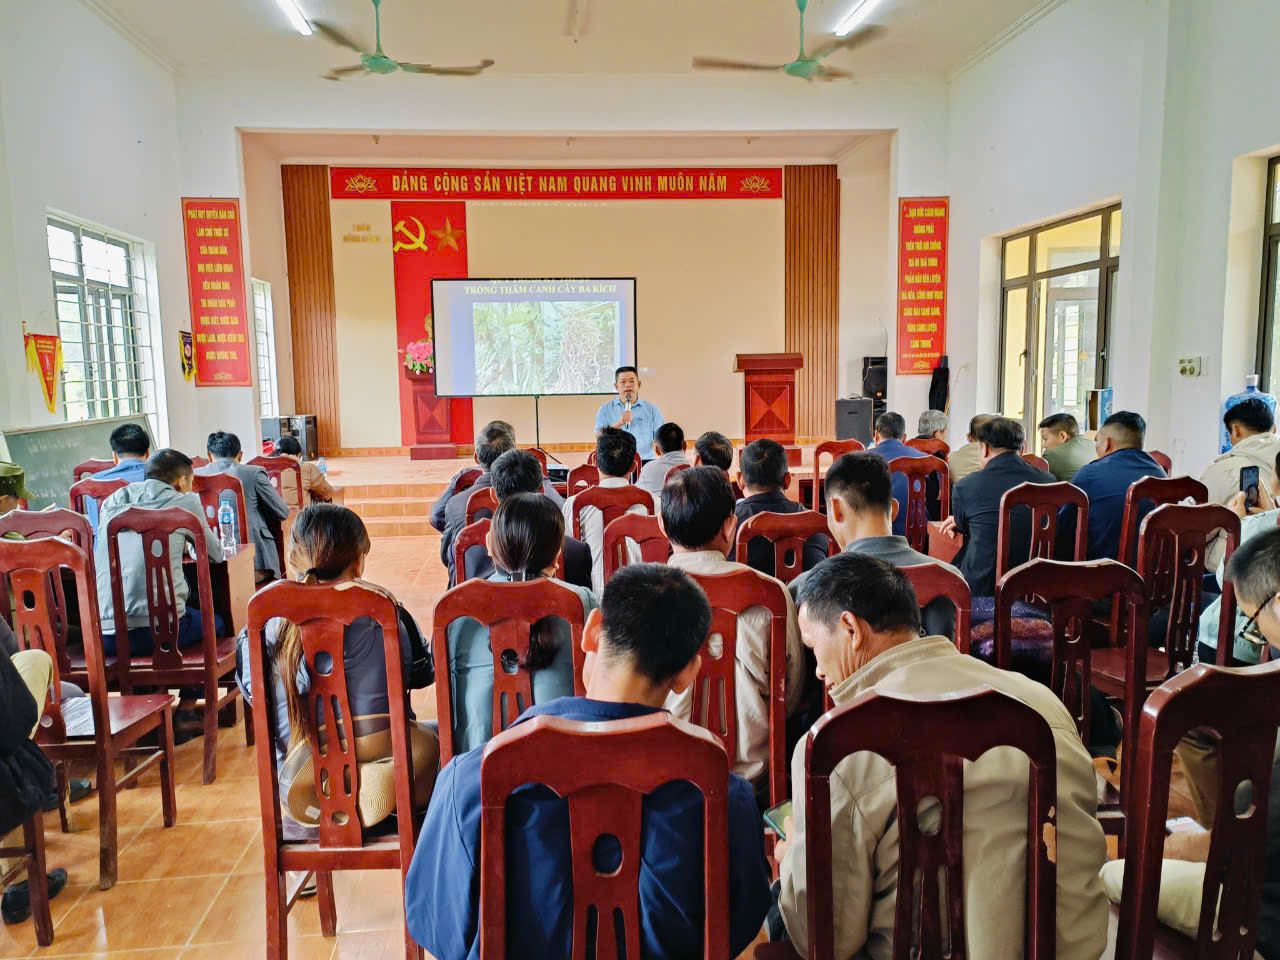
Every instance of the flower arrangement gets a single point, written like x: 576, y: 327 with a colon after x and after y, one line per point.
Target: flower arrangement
x: 419, y: 356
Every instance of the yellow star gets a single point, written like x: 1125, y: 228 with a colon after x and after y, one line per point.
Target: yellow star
x: 448, y: 237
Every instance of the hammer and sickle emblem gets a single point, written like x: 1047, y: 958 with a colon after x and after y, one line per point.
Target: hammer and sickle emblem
x: 418, y: 242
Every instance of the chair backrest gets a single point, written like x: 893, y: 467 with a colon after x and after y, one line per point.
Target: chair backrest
x: 155, y: 528
x: 603, y: 771
x: 927, y: 741
x: 1165, y: 461
x: 917, y: 470
x: 276, y: 468
x: 787, y: 532
x: 199, y: 462
x: 583, y: 476
x: 1071, y: 591
x: 31, y: 572
x: 210, y: 490
x: 480, y: 500
x: 1155, y: 491
x: 676, y: 468
x: 1171, y: 555
x: 541, y: 455
x: 643, y: 530
x: 321, y: 612
x: 836, y: 448
x: 930, y: 446
x: 83, y: 491
x: 38, y: 524
x: 1044, y: 501
x: 715, y: 702
x: 509, y: 611
x: 1243, y: 708
x: 83, y: 471
x: 466, y: 478
x: 933, y: 580
x: 1036, y: 461
x: 472, y: 535
x: 612, y: 502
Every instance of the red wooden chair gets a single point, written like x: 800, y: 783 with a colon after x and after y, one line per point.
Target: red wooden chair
x: 541, y: 455
x: 836, y: 448
x: 591, y: 458
x: 199, y: 462
x: 1243, y: 708
x: 83, y: 471
x: 509, y: 610
x: 927, y: 741
x: 210, y: 664
x: 1038, y: 462
x: 38, y: 524
x: 917, y: 470
x: 787, y: 532
x: 1157, y: 491
x: 612, y: 502
x: 1164, y: 460
x: 581, y: 477
x: 321, y: 613
x: 478, y: 500
x: 96, y: 490
x: 1044, y: 501
x: 933, y: 580
x: 210, y: 491
x: 715, y: 704
x: 666, y: 477
x: 930, y: 446
x: 276, y: 468
x: 466, y: 478
x: 643, y: 530
x: 28, y: 860
x: 103, y: 728
x: 603, y: 770
x: 472, y: 535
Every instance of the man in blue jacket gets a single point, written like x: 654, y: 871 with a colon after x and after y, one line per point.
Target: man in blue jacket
x: 891, y: 435
x: 130, y: 448
x: 642, y: 644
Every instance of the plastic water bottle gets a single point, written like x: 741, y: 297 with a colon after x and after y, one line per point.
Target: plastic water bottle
x: 227, y: 532
x: 322, y: 466
x: 1250, y: 390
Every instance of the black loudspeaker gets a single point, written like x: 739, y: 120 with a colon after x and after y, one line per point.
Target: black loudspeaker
x: 875, y: 377
x: 302, y: 427
x: 853, y: 420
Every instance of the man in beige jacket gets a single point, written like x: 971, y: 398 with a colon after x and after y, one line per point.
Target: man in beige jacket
x: 697, y: 517
x: 967, y: 459
x: 1254, y: 443
x: 861, y: 617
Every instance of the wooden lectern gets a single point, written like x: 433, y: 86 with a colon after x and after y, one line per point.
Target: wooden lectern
x: 769, y: 398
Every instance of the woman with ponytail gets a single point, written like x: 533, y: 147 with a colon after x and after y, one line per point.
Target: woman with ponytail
x: 329, y: 545
x: 525, y: 541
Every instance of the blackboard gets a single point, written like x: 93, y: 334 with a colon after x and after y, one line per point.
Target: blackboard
x: 50, y: 454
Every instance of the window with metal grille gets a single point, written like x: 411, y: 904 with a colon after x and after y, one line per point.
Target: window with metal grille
x: 265, y: 348
x: 1268, y: 328
x: 104, y: 320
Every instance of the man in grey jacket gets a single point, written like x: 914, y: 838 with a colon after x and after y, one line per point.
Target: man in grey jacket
x: 261, y: 499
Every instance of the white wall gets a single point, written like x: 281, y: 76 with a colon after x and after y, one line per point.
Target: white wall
x: 867, y: 324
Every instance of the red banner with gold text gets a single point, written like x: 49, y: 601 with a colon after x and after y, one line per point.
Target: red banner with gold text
x: 215, y: 281
x: 44, y: 355
x: 922, y: 282
x: 653, y: 183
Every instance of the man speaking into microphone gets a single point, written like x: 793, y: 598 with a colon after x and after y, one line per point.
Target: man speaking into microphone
x: 628, y: 412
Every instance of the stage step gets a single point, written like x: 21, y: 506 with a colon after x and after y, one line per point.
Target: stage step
x: 394, y: 509
x: 380, y: 528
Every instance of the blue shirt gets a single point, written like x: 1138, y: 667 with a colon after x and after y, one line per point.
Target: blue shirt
x: 1105, y: 482
x: 645, y: 421
x: 130, y: 471
x: 441, y: 894
x: 892, y: 450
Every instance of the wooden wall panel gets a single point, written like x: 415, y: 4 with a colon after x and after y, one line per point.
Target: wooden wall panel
x: 812, y: 292
x: 311, y: 304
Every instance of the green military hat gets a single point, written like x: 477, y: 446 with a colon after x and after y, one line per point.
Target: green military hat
x: 13, y: 482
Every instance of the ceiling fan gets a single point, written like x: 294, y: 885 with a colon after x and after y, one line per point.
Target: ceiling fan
x: 808, y: 66
x: 379, y: 62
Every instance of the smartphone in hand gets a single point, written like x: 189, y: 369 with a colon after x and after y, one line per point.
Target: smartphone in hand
x: 775, y: 817
x: 1249, y: 484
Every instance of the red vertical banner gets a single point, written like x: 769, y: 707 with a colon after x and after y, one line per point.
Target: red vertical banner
x: 429, y: 240
x: 215, y: 282
x: 922, y: 282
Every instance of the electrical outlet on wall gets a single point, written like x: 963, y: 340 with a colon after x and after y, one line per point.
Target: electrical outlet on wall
x: 1190, y: 366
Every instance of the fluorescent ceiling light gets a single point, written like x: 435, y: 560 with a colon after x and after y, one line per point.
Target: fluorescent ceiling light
x: 296, y: 19
x: 861, y: 10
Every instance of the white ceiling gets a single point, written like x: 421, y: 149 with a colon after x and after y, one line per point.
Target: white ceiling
x: 923, y: 37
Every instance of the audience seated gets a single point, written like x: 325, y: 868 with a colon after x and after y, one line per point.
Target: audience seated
x: 890, y: 437
x: 519, y: 471
x: 437, y: 517
x: 1121, y: 463
x: 642, y: 646
x: 697, y: 517
x: 860, y: 509
x: 315, y: 483
x: 1066, y: 449
x: 861, y: 618
x: 967, y: 459
x: 1251, y: 427
x: 763, y: 476
x: 713, y: 450
x: 328, y: 544
x: 615, y: 456
x: 975, y: 504
x: 525, y: 541
x: 262, y: 502
x: 130, y: 448
x: 668, y: 449
x: 933, y: 425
